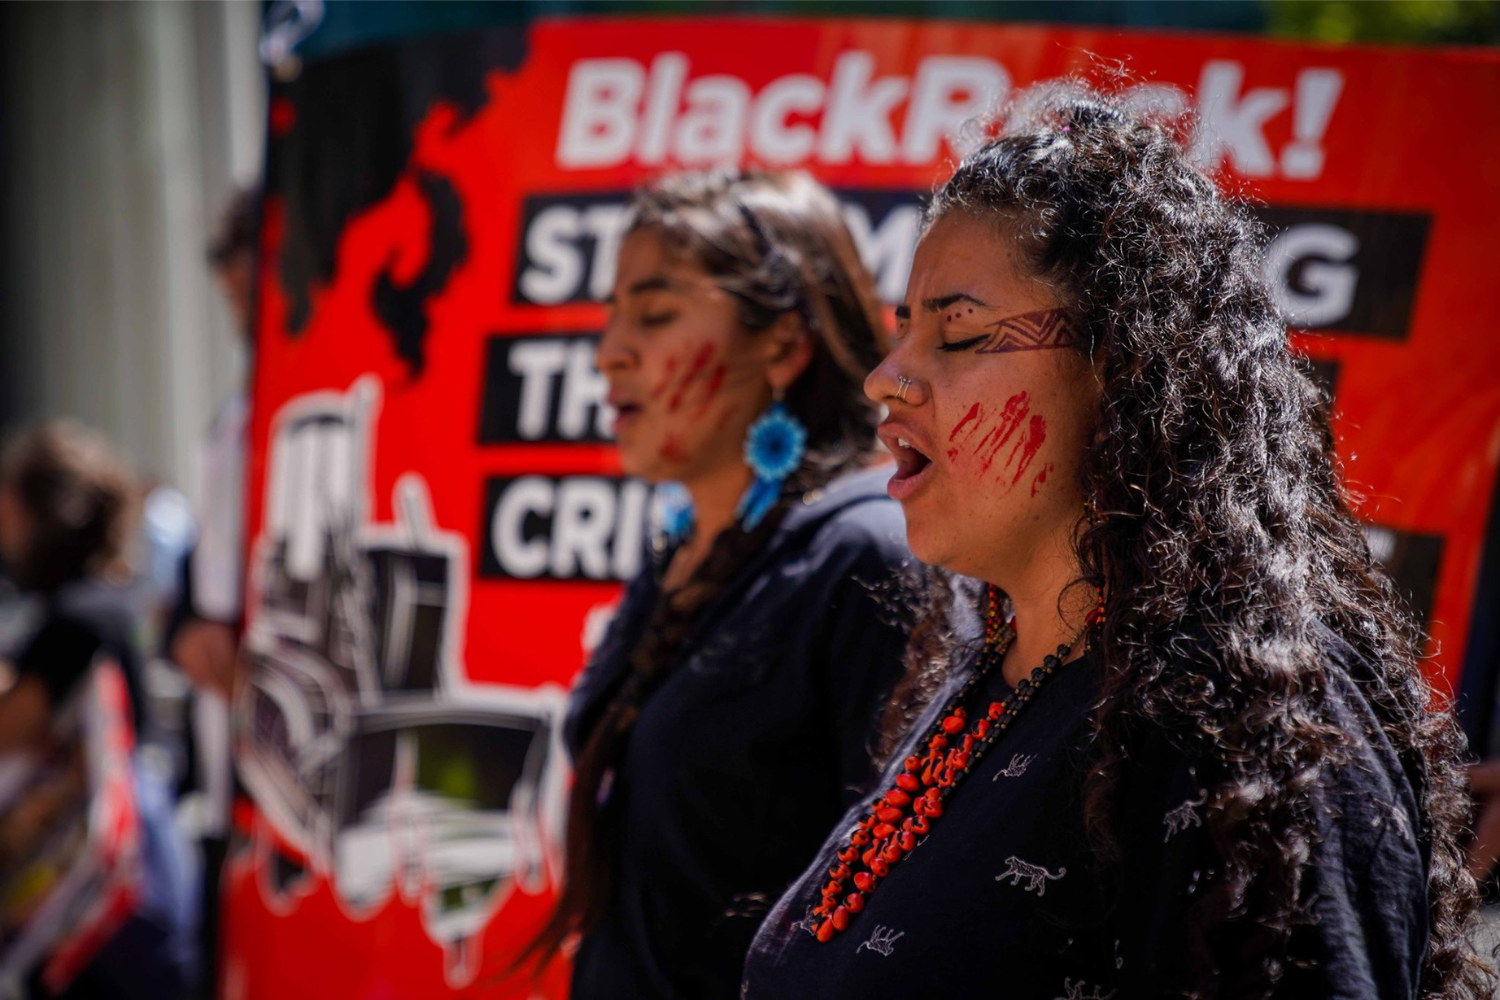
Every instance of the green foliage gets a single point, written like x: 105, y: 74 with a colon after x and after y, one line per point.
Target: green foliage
x: 1412, y: 22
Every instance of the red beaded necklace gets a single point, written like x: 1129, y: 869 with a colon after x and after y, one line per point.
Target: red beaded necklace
x: 889, y: 830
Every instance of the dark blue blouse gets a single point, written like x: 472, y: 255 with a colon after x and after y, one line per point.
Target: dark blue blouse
x: 1006, y: 898
x: 751, y: 748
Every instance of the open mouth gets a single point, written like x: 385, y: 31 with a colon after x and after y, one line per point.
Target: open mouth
x: 625, y: 413
x: 911, y: 469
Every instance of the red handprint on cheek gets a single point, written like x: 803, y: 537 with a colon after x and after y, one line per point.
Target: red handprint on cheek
x: 666, y: 379
x: 972, y: 420
x: 1016, y: 408
x: 671, y: 449
x: 1041, y: 477
x: 694, y: 384
x: 710, y: 390
x: 1028, y: 446
x: 693, y: 381
x: 978, y: 440
x: 694, y: 374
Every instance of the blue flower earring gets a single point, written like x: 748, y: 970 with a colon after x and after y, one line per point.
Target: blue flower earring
x: 773, y: 449
x: 677, y: 518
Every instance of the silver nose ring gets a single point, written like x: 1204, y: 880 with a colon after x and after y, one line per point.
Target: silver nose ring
x: 902, y: 384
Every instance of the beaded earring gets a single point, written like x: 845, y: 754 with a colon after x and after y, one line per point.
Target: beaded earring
x: 1096, y: 615
x: 1091, y: 510
x: 774, y: 446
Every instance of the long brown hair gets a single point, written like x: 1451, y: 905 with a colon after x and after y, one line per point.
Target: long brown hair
x: 778, y: 243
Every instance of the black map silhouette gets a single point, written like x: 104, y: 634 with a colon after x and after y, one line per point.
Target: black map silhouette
x: 403, y: 309
x: 351, y: 140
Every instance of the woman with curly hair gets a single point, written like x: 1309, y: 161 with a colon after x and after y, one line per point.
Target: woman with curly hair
x: 1178, y: 743
x: 726, y: 720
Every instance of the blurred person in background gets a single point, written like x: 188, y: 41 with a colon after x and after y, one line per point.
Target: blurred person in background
x: 204, y: 640
x: 66, y: 507
x: 203, y: 636
x: 726, y: 718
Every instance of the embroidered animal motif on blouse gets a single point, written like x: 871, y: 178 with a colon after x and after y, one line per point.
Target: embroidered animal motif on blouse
x: 1074, y: 991
x: 1017, y: 767
x: 1035, y: 876
x: 883, y: 940
x: 1399, y: 817
x: 1186, y: 815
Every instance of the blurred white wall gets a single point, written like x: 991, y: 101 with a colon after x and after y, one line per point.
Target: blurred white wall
x: 126, y: 127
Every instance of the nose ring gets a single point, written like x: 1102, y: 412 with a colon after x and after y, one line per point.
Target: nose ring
x: 902, y: 384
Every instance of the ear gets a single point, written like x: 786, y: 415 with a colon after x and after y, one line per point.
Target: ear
x: 788, y: 347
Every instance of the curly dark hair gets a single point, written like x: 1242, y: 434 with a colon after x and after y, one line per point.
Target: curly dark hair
x: 1225, y: 545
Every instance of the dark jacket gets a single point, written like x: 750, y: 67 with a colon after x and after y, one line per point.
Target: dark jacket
x: 754, y: 743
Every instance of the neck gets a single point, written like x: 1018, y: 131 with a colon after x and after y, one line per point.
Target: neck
x: 715, y: 496
x: 1048, y: 611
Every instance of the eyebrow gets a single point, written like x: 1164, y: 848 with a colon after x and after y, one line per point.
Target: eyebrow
x: 942, y: 302
x: 655, y: 283
x: 938, y: 304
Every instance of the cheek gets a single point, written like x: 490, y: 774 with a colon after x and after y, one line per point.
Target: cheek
x: 689, y: 400
x: 997, y: 445
x: 671, y: 448
x: 691, y: 380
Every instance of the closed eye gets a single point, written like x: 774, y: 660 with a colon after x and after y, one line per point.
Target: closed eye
x: 963, y: 345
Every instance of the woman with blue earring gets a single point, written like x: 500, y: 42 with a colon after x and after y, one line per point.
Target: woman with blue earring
x: 735, y: 699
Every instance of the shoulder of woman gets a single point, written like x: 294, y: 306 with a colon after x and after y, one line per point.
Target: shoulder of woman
x: 860, y: 550
x: 1352, y: 688
x: 608, y: 657
x: 1371, y: 767
x: 101, y: 606
x: 82, y: 626
x: 873, y: 525
x: 1345, y: 691
x: 854, y: 515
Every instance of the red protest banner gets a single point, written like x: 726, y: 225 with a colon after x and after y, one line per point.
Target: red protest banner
x: 438, y: 525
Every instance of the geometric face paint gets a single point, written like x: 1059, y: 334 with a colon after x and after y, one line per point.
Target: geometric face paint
x: 1033, y: 331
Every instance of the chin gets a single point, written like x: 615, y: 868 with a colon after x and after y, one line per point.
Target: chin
x: 634, y: 457
x: 935, y: 547
x: 941, y: 558
x: 636, y: 469
x: 920, y: 542
x: 649, y: 467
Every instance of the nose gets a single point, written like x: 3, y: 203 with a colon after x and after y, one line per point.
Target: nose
x: 614, y: 352
x: 880, y: 384
x: 889, y: 383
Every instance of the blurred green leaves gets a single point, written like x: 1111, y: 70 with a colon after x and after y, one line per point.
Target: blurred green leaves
x: 1411, y: 22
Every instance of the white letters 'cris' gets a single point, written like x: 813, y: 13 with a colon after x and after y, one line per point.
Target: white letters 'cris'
x: 620, y: 110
